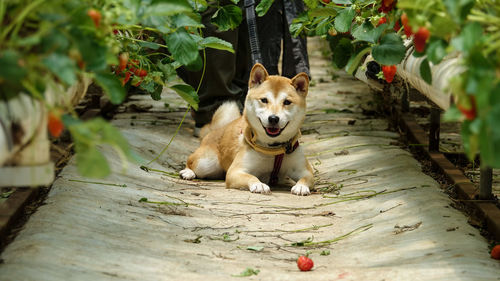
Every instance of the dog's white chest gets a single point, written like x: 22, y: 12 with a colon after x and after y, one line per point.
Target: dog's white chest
x: 262, y: 165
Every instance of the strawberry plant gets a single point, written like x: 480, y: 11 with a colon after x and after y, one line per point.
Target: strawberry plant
x: 355, y: 28
x: 119, y: 44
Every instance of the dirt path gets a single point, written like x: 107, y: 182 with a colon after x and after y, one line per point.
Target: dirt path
x: 382, y: 218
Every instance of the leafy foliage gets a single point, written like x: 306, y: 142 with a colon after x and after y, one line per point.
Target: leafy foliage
x: 120, y: 44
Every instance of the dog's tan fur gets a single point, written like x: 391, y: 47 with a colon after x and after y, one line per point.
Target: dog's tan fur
x: 223, y: 149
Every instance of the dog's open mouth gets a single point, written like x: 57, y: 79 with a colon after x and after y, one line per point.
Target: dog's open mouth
x: 274, y: 131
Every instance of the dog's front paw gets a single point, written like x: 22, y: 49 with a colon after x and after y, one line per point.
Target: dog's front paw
x: 300, y: 189
x: 260, y: 188
x: 187, y: 174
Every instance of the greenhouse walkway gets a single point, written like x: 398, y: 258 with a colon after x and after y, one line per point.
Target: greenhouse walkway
x: 377, y: 217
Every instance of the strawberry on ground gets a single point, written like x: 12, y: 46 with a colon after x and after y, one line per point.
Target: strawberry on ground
x: 55, y: 125
x: 420, y: 39
x: 305, y: 263
x: 389, y: 72
x: 495, y: 252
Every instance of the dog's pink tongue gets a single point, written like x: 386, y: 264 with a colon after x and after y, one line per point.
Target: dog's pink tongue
x: 273, y: 131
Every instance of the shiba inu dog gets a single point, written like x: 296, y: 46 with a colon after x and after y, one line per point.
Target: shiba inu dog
x: 257, y: 148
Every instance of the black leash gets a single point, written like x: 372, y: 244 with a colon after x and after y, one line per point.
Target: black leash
x: 252, y: 31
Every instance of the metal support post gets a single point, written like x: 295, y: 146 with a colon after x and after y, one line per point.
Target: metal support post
x: 434, y: 129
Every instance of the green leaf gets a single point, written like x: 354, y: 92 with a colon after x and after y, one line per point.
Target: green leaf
x: 459, y: 9
x: 354, y: 61
x: 183, y: 20
x: 90, y: 162
x: 87, y: 136
x: 342, y: 52
x: 471, y: 36
x: 323, y: 11
x: 453, y: 114
x: 344, y: 19
x: 10, y: 68
x: 390, y: 50
x: 247, y: 272
x: 61, y: 66
x: 227, y: 17
x: 366, y: 32
x: 187, y: 93
x: 94, y: 51
x: 168, y: 71
x: 442, y: 26
x: 156, y: 94
x: 216, y: 43
x: 263, y: 7
x: 199, y: 5
x: 167, y: 7
x: 470, y: 140
x: 425, y: 71
x: 182, y: 47
x: 311, y: 4
x: 255, y: 248
x: 111, y: 86
x: 436, y: 51
x: 150, y: 45
x: 323, y: 26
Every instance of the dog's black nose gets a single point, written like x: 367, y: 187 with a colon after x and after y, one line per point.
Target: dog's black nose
x: 273, y: 119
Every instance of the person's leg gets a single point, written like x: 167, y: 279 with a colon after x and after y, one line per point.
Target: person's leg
x: 270, y: 31
x: 217, y: 82
x: 295, y: 58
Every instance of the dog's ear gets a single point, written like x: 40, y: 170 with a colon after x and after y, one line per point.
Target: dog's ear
x: 301, y: 83
x: 257, y: 76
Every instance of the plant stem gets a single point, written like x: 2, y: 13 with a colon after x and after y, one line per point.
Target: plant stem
x: 336, y: 239
x: 187, y: 110
x: 101, y: 183
x: 19, y: 19
x: 171, y: 139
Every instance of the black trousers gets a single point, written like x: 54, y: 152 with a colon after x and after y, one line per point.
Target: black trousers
x: 226, y: 74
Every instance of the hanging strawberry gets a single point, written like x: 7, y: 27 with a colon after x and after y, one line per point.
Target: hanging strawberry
x: 389, y: 72
x: 420, y: 39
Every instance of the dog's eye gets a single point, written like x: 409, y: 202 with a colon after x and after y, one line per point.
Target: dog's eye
x: 263, y: 100
x: 286, y: 102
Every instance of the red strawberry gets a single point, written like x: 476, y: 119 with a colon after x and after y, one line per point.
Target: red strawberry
x: 387, y: 6
x: 55, y: 124
x: 127, y: 77
x: 382, y: 21
x: 397, y: 26
x: 123, y: 62
x: 326, y: 1
x: 468, y: 109
x: 304, y: 263
x: 495, y: 252
x: 406, y: 25
x: 420, y: 39
x: 389, y: 72
x: 95, y: 16
x: 140, y: 72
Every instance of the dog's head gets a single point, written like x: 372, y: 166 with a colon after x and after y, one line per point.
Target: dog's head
x: 275, y: 106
